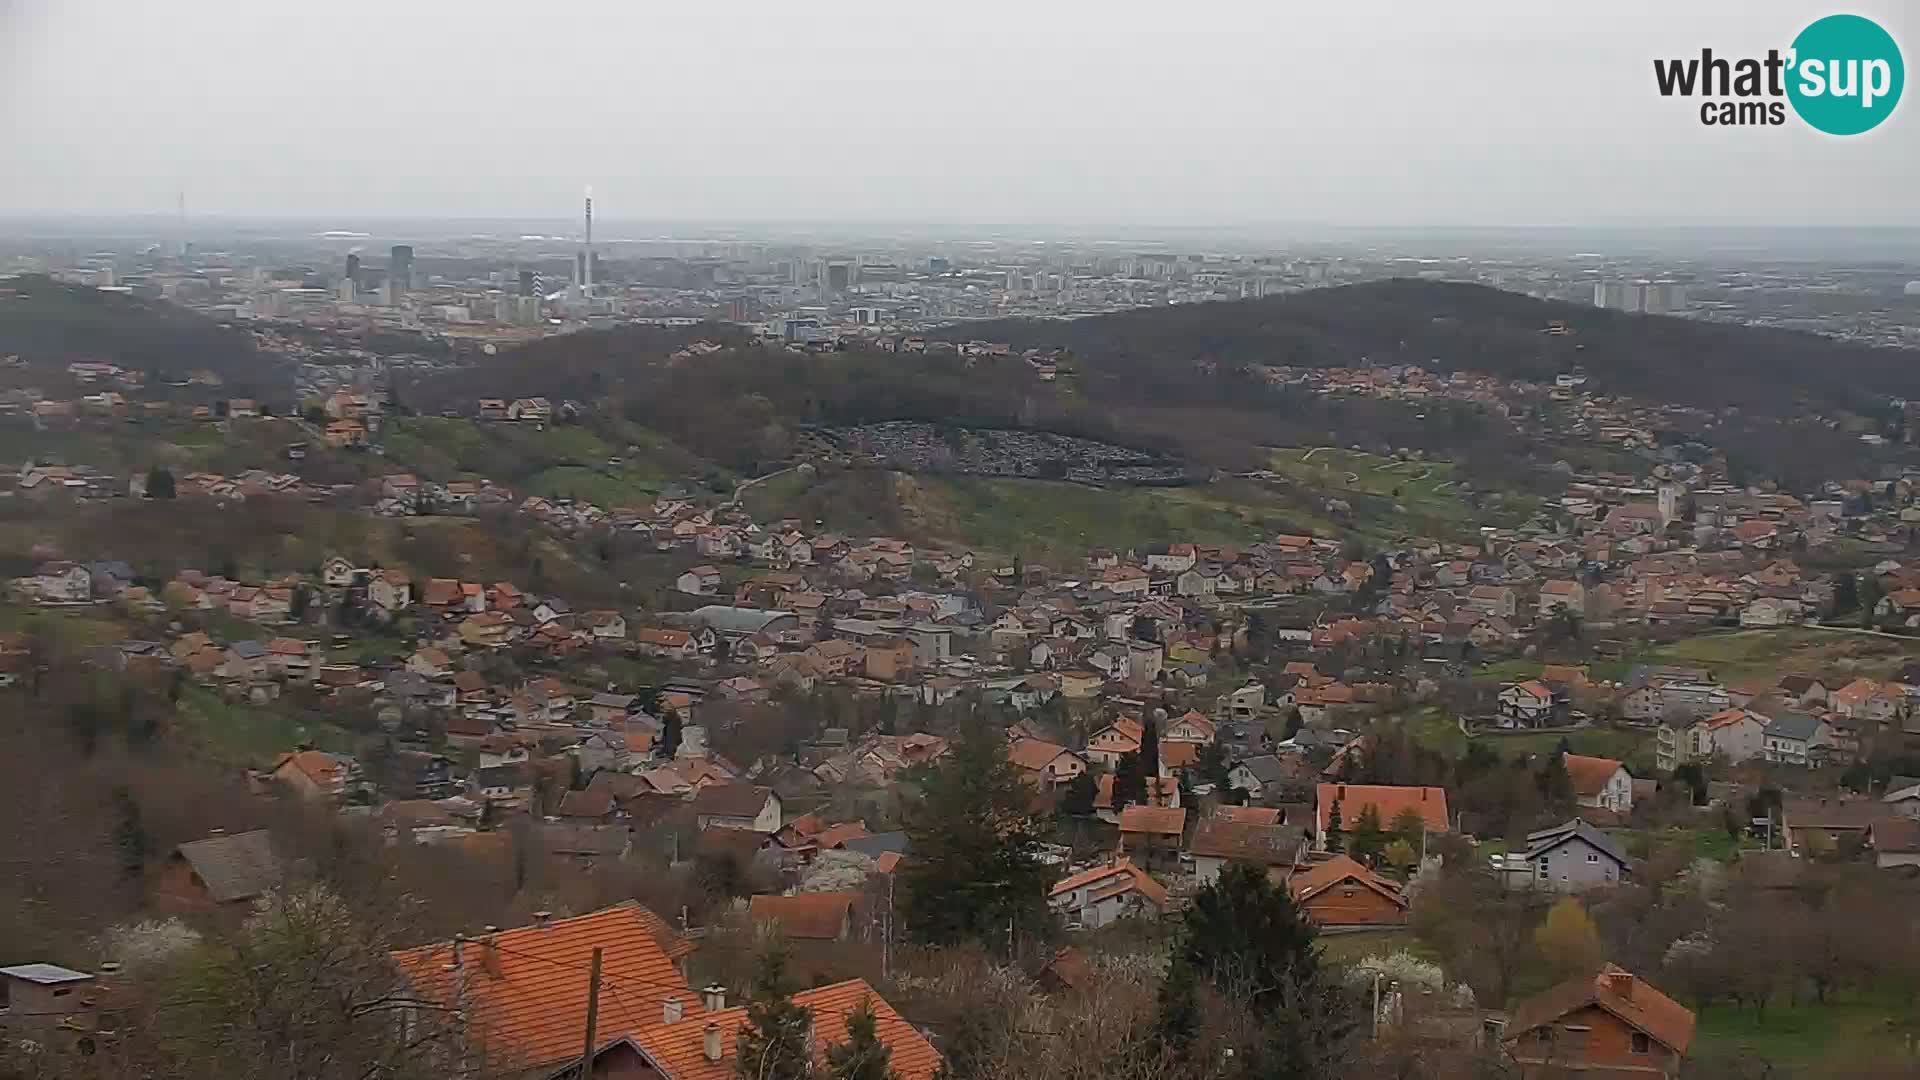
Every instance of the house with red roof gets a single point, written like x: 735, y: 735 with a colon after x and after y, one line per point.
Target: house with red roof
x: 1104, y: 894
x: 1339, y: 892
x: 1387, y: 800
x: 1612, y: 1024
x: 1600, y: 783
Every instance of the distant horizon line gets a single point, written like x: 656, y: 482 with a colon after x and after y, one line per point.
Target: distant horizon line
x: 173, y: 217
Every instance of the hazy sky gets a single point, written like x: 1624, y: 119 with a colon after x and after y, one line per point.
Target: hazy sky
x: 1281, y: 111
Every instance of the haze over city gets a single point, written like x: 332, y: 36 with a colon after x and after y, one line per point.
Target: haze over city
x: 1479, y: 113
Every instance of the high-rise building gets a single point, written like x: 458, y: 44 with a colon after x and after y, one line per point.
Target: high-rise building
x: 400, y: 268
x: 353, y: 267
x: 528, y: 283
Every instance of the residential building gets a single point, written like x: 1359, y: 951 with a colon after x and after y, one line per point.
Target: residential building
x: 1339, y: 892
x: 1388, y: 801
x: 1572, y: 857
x: 737, y: 806
x: 1600, y: 783
x: 1219, y: 840
x: 1613, y: 1024
x: 1105, y: 894
x: 219, y: 873
x: 1798, y: 738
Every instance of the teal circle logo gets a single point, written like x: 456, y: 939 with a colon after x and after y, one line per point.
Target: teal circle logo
x: 1846, y: 75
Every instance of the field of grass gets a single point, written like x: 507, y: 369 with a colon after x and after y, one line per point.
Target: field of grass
x: 67, y: 628
x: 1857, y: 1029
x: 562, y: 461
x: 1740, y: 655
x: 604, y: 487
x: 247, y: 735
x: 1438, y: 730
x: 1392, y: 498
x: 1058, y: 520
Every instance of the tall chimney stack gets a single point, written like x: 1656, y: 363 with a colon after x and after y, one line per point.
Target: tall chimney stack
x: 710, y: 1041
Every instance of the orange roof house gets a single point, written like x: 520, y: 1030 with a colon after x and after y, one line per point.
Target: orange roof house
x: 820, y: 916
x: 525, y: 989
x: 1387, y: 800
x: 1341, y: 892
x: 701, y: 1046
x: 1612, y: 1023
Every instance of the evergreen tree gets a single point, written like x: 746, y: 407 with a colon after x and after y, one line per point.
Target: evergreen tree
x: 863, y: 1056
x: 1846, y: 595
x: 1150, y: 747
x: 1408, y: 825
x: 1556, y: 786
x: 1081, y: 792
x: 1336, y: 831
x: 772, y: 1045
x: 160, y: 483
x: 1129, y: 782
x: 1216, y: 767
x: 129, y: 834
x: 1869, y: 592
x: 973, y: 831
x: 1369, y: 838
x: 670, y: 733
x: 1294, y: 720
x: 1244, y: 936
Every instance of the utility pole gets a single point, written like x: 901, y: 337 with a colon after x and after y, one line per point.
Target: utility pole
x: 593, y: 1015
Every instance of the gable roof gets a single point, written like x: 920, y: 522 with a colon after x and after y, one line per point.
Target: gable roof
x: 731, y: 800
x: 1114, y: 878
x: 816, y: 916
x: 1545, y: 840
x: 1153, y: 820
x: 1264, y: 844
x: 526, y: 988
x: 679, y: 1051
x: 1387, y: 800
x: 1797, y: 726
x: 1035, y: 754
x: 1589, y: 774
x: 1619, y: 992
x: 237, y: 867
x: 1318, y: 878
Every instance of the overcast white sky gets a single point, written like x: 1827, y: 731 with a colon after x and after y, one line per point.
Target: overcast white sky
x: 1282, y: 111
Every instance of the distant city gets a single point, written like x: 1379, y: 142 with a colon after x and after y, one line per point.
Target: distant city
x: 505, y: 282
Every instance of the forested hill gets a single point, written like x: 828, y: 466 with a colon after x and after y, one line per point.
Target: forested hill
x: 1456, y: 326
x: 41, y: 319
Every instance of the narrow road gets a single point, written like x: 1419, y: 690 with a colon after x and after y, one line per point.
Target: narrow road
x: 741, y: 488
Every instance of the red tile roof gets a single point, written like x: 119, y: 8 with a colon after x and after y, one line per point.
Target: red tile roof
x: 1388, y: 801
x: 1618, y: 992
x: 820, y: 916
x: 679, y: 1051
x: 1154, y: 820
x: 527, y: 994
x: 1318, y: 878
x: 1590, y: 774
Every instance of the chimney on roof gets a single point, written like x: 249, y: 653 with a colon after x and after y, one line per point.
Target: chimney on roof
x: 710, y: 1042
x: 671, y: 1010
x: 714, y: 997
x: 459, y: 948
x: 543, y: 919
x: 1620, y: 982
